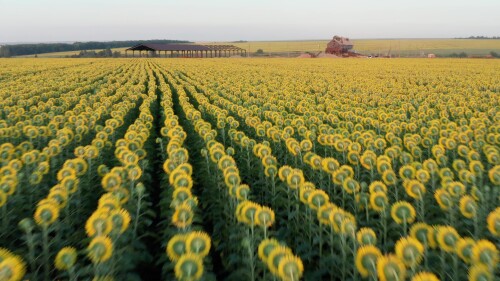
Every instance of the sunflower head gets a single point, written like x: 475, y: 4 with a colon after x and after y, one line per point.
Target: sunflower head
x: 304, y: 192
x: 265, y: 248
x: 275, y: 257
x: 425, y: 276
x: 444, y: 199
x: 415, y: 189
x: 12, y: 267
x: 100, y: 249
x: 295, y: 179
x: 464, y: 248
x: 410, y: 251
x: 377, y: 186
x: 493, y: 222
x: 485, y: 252
x: 264, y: 217
x: 189, y: 267
x: 66, y: 258
x: 366, y: 260
x: 176, y: 247
x: 390, y: 268
x: 242, y: 192
x: 290, y: 268
x: 183, y: 216
x: 317, y: 198
x: 46, y: 213
x: 350, y: 185
x: 423, y: 233
x: 198, y: 242
x: 120, y: 220
x: 403, y: 211
x: 468, y: 206
x: 480, y: 272
x: 366, y: 236
x: 379, y: 201
x: 447, y: 238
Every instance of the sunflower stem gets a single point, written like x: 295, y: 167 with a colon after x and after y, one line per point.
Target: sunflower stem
x: 46, y: 258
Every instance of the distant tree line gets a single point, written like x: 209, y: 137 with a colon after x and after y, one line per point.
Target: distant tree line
x: 479, y: 37
x: 106, y: 53
x: 33, y: 49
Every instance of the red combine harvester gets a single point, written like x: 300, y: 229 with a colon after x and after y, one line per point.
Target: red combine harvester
x: 340, y: 46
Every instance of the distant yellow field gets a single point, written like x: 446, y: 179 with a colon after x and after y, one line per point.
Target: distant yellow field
x: 395, y: 47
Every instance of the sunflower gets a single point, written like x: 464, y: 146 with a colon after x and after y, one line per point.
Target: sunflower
x: 423, y: 233
x: 377, y: 186
x: 134, y: 172
x: 464, y: 248
x: 329, y: 164
x: 447, y: 238
x: 264, y: 217
x: 120, y: 220
x: 350, y: 185
x: 456, y: 188
x: 317, y: 198
x: 265, y: 248
x: 403, y: 211
x: 295, y: 179
x: 100, y: 249
x: 275, y: 256
x: 366, y: 236
x: 390, y: 268
x: 407, y: 172
x: 378, y: 201
x: 494, y: 175
x: 290, y: 267
x: 493, y: 222
x: 271, y: 171
x: 468, y: 206
x: 444, y: 199
x: 169, y: 166
x: 66, y: 258
x: 348, y: 226
x: 480, y: 272
x: 98, y: 223
x: 111, y: 181
x: 324, y: 211
x: 305, y: 190
x: 183, y: 216
x: 189, y: 267
x: 46, y: 213
x: 176, y: 247
x: 410, y: 251
x: 198, y: 242
x: 242, y: 192
x: 415, y: 189
x: 181, y: 194
x: 389, y: 177
x: 12, y: 268
x: 366, y: 260
x: 183, y: 180
x: 425, y: 276
x: 338, y: 177
x: 283, y: 172
x: 486, y: 253
x: 3, y: 198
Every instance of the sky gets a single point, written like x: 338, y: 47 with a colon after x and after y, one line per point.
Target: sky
x: 225, y: 20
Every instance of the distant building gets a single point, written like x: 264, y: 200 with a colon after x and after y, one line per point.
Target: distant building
x: 431, y: 56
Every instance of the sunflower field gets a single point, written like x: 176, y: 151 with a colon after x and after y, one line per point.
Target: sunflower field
x: 249, y: 169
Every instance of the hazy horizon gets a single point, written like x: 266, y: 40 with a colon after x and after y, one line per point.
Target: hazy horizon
x: 259, y: 20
